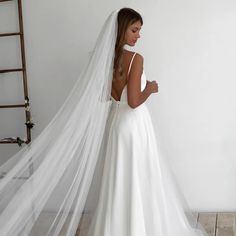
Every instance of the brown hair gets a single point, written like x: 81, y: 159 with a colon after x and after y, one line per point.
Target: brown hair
x: 126, y: 17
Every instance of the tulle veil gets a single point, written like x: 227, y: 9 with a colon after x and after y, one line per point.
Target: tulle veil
x: 50, y: 184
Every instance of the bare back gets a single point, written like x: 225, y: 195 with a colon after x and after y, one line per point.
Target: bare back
x: 118, y: 85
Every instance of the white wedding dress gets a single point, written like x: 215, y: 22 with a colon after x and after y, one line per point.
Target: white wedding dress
x: 135, y: 197
x: 97, y: 159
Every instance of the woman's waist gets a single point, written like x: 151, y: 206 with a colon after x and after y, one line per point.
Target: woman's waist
x: 124, y: 106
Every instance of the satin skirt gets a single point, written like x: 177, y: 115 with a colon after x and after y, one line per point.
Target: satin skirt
x: 138, y: 194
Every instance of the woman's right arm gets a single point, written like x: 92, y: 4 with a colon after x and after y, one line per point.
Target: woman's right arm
x: 134, y: 94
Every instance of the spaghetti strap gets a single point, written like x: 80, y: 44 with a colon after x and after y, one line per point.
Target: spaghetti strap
x: 131, y: 62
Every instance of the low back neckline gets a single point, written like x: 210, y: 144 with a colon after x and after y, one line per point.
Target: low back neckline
x: 130, y: 64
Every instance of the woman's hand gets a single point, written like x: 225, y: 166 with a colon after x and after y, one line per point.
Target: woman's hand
x: 152, y: 86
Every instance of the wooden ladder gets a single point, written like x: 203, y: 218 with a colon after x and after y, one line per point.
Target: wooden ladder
x: 26, y: 104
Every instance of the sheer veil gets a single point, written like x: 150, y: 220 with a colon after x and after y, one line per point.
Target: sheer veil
x: 47, y: 186
x: 51, y: 176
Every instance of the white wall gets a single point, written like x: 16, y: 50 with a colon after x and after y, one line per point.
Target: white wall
x: 58, y: 36
x: 189, y: 48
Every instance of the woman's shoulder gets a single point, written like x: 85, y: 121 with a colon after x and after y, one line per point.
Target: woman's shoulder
x: 136, y: 62
x: 138, y: 56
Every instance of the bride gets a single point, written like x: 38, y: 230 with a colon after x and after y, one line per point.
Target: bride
x: 98, y: 157
x: 136, y: 196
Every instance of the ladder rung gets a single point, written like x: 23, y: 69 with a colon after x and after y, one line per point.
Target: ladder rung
x: 13, y: 141
x: 17, y: 140
x: 10, y: 34
x: 11, y: 70
x: 5, y: 0
x: 12, y: 106
x: 8, y: 141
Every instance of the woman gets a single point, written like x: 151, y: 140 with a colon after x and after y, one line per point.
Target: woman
x: 137, y: 197
x: 103, y: 128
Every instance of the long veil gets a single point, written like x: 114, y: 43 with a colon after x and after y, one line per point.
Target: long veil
x: 49, y: 179
x: 47, y: 186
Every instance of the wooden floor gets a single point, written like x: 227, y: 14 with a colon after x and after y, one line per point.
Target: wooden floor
x: 215, y: 224
x: 218, y: 224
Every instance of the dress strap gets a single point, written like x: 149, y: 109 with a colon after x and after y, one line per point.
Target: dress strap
x: 131, y: 62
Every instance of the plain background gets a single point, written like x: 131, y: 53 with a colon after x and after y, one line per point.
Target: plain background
x: 188, y: 47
